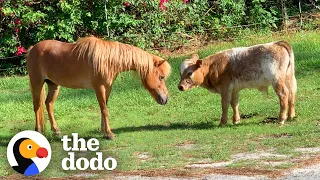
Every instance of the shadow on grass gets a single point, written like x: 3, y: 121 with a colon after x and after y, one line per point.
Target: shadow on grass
x: 171, y: 126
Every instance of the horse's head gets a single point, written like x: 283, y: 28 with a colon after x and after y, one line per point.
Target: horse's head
x: 190, y: 73
x: 154, y: 81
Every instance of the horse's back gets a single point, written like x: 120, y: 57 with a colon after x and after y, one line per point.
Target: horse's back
x: 56, y: 61
x: 48, y: 50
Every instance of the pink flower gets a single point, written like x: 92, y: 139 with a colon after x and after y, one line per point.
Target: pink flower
x: 27, y: 4
x: 185, y: 1
x: 20, y: 50
x: 17, y: 30
x: 18, y: 22
x: 126, y: 4
x: 3, y: 14
x: 161, y: 4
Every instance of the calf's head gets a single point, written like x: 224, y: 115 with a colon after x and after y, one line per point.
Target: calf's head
x: 190, y: 73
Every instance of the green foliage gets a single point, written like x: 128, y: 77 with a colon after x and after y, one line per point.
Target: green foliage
x: 141, y: 23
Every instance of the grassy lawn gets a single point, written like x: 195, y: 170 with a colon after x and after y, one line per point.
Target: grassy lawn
x: 191, y: 118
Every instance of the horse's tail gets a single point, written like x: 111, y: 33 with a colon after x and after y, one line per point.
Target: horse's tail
x: 28, y: 51
x: 41, y: 109
x: 38, y: 96
x: 41, y: 120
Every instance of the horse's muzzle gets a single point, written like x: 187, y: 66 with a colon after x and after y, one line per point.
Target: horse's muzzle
x: 181, y: 88
x: 162, y: 99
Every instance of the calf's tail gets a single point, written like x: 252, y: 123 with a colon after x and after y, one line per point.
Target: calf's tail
x: 290, y: 69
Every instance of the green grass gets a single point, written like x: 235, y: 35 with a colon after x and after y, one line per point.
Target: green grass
x: 141, y: 125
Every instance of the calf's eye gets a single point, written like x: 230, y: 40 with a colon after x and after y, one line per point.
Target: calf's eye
x: 161, y: 78
x: 189, y: 73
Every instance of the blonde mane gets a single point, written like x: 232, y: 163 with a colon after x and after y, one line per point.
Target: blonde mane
x: 109, y: 58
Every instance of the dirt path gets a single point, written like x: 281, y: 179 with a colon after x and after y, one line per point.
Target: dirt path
x: 257, y: 165
x: 306, y: 173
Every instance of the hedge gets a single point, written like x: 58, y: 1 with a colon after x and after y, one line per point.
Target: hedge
x: 144, y: 23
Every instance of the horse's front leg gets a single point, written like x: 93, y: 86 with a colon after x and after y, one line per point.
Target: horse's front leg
x: 105, y: 122
x: 102, y: 96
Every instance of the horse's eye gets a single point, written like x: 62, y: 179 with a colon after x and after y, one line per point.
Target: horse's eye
x: 161, y: 78
x: 189, y: 73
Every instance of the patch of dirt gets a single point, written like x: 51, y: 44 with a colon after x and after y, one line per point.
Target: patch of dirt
x: 308, y: 161
x: 275, y: 163
x: 281, y: 135
x: 258, y: 155
x: 143, y: 156
x: 188, y: 145
x: 308, y: 150
x: 210, y: 165
x: 189, y: 173
x: 86, y: 175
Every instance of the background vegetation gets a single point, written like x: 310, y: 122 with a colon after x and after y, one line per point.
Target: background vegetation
x: 147, y: 23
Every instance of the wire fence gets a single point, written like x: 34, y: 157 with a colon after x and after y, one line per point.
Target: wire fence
x: 301, y: 16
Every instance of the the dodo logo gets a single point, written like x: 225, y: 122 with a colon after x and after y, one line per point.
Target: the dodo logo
x: 29, y: 153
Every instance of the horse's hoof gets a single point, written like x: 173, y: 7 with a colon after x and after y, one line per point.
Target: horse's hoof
x: 222, y: 124
x: 281, y: 122
x: 109, y: 136
x: 236, y: 122
x: 58, y: 134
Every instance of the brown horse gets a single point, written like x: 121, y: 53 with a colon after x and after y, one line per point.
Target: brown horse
x: 89, y: 63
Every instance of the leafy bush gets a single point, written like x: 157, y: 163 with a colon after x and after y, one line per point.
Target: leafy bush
x: 147, y: 24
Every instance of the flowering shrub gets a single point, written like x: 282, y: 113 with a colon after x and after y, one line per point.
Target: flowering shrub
x: 147, y: 24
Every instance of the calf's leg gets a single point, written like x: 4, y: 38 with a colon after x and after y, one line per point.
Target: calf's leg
x: 235, y: 107
x: 225, y: 101
x: 282, y: 91
x: 292, y: 87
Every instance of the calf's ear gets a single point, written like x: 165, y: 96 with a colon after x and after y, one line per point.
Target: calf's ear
x: 199, y: 63
x: 195, y: 57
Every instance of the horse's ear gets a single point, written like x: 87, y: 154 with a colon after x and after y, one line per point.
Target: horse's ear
x: 159, y: 63
x: 199, y: 63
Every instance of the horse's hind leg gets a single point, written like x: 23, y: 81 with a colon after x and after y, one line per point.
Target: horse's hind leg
x: 282, y: 91
x: 53, y: 91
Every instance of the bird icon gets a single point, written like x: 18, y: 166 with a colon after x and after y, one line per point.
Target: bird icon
x: 24, y: 149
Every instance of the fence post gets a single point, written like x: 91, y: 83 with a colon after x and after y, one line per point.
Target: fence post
x: 284, y: 15
x: 300, y: 14
x: 106, y: 13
